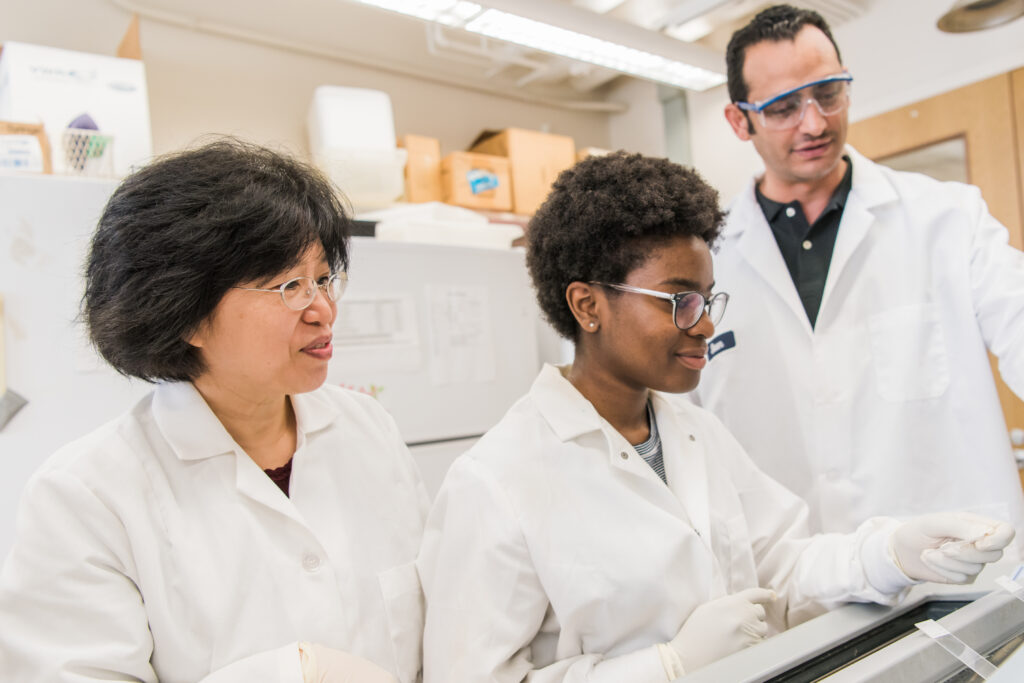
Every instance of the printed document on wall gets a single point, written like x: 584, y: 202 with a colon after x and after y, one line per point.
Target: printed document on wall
x: 461, y: 348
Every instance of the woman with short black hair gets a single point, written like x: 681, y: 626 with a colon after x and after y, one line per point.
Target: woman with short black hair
x: 605, y: 532
x: 243, y: 522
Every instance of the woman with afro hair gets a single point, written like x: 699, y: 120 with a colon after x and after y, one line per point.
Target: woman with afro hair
x: 604, y: 532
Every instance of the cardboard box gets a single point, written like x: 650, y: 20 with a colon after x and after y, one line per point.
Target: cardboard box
x: 54, y: 87
x: 476, y: 181
x: 422, y: 169
x: 535, y: 160
x: 24, y: 148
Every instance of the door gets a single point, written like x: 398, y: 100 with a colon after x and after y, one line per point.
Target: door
x: 975, y: 134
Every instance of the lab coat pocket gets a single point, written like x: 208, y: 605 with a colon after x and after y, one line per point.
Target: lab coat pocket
x: 910, y: 358
x: 403, y: 604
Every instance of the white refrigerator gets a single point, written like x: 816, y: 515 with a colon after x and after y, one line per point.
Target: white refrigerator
x: 445, y: 337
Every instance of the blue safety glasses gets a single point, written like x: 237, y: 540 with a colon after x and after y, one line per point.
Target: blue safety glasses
x: 786, y: 110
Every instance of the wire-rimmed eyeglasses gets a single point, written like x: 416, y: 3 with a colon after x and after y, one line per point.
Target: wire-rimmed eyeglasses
x: 830, y: 95
x: 687, y: 307
x: 300, y: 292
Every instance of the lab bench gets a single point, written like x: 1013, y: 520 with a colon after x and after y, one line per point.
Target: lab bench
x: 867, y: 642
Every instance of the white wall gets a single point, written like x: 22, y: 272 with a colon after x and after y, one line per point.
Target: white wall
x: 719, y: 156
x: 896, y: 55
x: 641, y: 128
x: 200, y: 83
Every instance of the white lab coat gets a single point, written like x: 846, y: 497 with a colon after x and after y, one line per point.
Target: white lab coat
x: 554, y: 552
x: 888, y: 406
x: 155, y: 548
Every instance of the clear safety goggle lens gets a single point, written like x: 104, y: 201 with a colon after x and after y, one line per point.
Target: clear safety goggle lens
x: 830, y: 98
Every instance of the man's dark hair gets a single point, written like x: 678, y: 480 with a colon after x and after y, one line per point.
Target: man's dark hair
x: 180, y: 232
x: 776, y: 23
x: 604, y: 218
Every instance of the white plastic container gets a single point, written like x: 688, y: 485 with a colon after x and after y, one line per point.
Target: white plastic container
x: 350, y: 118
x: 352, y: 139
x: 370, y: 179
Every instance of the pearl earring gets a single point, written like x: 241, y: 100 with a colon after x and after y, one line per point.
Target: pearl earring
x: 591, y: 324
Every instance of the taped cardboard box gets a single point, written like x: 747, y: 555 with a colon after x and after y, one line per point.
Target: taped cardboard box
x: 422, y: 169
x: 476, y: 181
x: 24, y: 148
x: 535, y: 160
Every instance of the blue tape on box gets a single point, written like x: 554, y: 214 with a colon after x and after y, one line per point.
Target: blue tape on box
x: 481, y: 180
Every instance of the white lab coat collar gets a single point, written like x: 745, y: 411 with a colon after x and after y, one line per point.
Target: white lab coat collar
x: 566, y: 410
x: 194, y: 432
x: 570, y: 415
x: 870, y: 188
x: 750, y: 231
x: 186, y: 421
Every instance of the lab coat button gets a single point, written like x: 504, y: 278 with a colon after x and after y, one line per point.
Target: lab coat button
x: 692, y: 437
x: 311, y: 563
x: 624, y: 455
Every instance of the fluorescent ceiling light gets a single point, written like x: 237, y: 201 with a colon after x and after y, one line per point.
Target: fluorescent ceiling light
x: 556, y: 40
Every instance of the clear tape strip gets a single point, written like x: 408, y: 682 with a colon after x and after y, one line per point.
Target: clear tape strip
x: 1011, y: 587
x: 956, y: 647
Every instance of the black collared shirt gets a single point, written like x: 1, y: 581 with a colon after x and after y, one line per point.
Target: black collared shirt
x: 807, y: 249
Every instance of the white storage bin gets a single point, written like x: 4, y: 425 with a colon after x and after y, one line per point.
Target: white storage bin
x: 352, y: 139
x: 370, y: 179
x: 350, y: 118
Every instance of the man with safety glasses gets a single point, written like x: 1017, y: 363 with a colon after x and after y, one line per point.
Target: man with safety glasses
x: 852, y: 362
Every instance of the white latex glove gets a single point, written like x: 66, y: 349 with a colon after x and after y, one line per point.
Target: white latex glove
x: 322, y: 664
x: 948, y: 547
x: 721, y: 627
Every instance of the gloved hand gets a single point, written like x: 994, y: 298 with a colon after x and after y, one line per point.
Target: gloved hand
x: 948, y: 547
x: 322, y: 664
x: 721, y: 627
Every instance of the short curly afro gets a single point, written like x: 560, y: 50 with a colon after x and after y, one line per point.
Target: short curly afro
x: 605, y: 216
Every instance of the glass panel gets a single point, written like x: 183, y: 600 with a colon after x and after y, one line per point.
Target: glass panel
x: 945, y: 160
x: 873, y: 640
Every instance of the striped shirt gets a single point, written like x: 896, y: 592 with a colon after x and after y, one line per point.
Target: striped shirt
x: 650, y: 450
